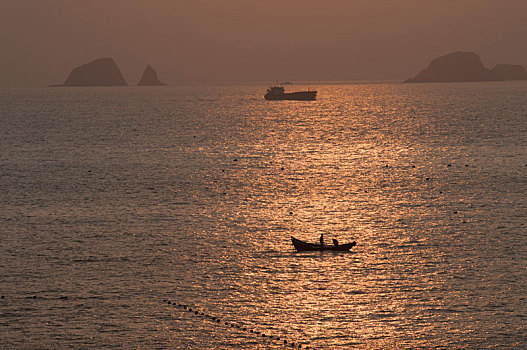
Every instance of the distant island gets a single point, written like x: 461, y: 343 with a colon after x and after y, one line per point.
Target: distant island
x: 149, y: 78
x: 462, y: 66
x: 104, y: 72
x: 99, y: 72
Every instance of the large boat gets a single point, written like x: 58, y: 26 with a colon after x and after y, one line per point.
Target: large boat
x: 302, y: 246
x: 275, y: 93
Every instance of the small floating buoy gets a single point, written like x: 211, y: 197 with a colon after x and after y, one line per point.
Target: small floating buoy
x: 290, y: 213
x: 285, y: 341
x: 282, y: 168
x: 235, y: 159
x: 449, y: 164
x: 2, y: 297
x: 455, y: 212
x: 427, y: 179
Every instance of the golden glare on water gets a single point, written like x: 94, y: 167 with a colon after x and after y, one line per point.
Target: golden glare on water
x: 190, y: 195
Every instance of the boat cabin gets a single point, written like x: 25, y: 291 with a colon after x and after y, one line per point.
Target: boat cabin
x: 276, y: 90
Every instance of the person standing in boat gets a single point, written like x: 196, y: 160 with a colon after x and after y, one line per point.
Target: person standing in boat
x: 322, y: 239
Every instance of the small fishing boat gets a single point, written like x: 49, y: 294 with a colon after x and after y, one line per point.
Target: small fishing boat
x: 302, y: 246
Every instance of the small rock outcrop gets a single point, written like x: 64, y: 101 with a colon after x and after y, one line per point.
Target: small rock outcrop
x: 509, y: 72
x: 100, y: 72
x: 149, y: 78
x: 455, y: 67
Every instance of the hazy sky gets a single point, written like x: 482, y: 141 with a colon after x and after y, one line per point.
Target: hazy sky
x: 194, y: 40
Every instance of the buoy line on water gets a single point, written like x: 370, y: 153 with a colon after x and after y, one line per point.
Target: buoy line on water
x: 219, y: 321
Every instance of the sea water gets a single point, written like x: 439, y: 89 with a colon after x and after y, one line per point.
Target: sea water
x: 120, y: 205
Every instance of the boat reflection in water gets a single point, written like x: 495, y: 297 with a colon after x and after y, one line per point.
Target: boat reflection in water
x: 275, y: 93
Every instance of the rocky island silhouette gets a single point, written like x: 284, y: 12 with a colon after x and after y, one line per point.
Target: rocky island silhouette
x: 99, y: 72
x: 462, y: 66
x: 149, y: 78
x: 105, y: 72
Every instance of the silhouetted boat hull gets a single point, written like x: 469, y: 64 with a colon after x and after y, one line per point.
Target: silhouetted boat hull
x: 298, y: 96
x: 302, y: 246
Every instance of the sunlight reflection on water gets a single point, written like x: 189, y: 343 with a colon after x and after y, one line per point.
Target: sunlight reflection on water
x: 119, y: 199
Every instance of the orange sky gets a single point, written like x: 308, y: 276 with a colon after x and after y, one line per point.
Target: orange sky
x: 191, y: 40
